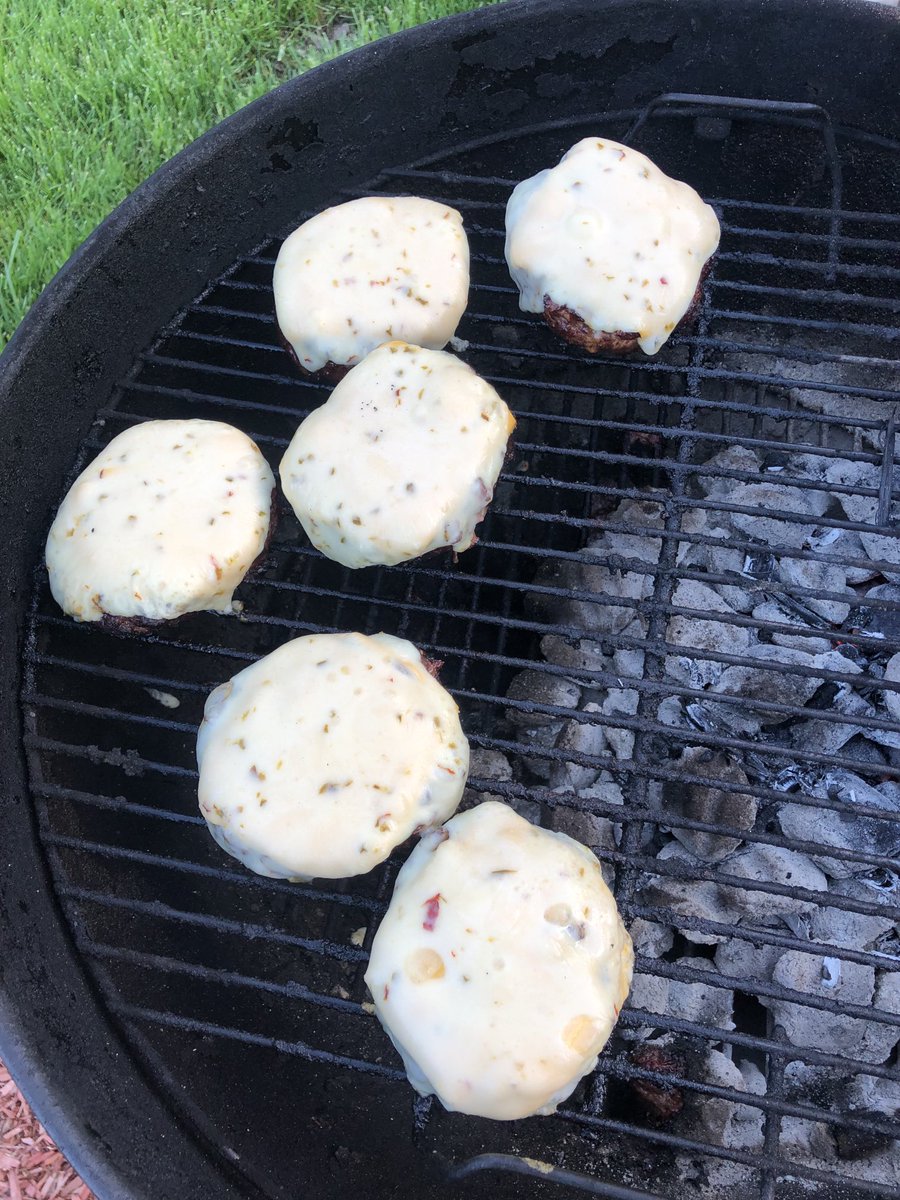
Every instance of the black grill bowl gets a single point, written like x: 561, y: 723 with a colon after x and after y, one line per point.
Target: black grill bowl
x: 187, y: 1030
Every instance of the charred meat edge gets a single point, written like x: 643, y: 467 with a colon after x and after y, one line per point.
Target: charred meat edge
x: 573, y: 328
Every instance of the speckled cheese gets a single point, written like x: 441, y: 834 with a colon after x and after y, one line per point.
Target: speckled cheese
x: 165, y: 521
x: 606, y: 234
x: 368, y: 271
x: 500, y: 966
x: 401, y: 459
x: 326, y: 754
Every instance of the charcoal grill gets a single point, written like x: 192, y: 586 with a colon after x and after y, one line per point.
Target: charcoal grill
x: 187, y: 1029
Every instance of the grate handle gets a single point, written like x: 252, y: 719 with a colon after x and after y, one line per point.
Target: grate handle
x: 771, y: 108
x: 547, y: 1172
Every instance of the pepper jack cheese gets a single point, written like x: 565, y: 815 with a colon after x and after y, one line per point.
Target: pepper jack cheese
x: 500, y: 966
x: 326, y: 754
x: 165, y: 521
x: 607, y: 235
x: 373, y: 269
x: 400, y: 460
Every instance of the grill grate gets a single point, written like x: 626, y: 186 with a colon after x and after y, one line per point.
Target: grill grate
x: 791, y: 355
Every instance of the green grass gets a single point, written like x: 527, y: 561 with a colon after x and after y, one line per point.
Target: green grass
x: 96, y: 94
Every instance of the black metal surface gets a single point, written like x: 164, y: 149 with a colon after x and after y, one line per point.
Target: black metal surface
x: 240, y: 999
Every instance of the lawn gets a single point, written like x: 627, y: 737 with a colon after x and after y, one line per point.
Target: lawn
x: 96, y: 94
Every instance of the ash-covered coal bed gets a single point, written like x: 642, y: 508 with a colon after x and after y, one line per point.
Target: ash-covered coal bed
x: 718, y: 716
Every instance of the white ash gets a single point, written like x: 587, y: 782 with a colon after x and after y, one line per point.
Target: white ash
x: 818, y: 577
x: 670, y: 711
x: 830, y: 737
x: 584, y: 738
x: 732, y: 458
x: 745, y: 960
x: 846, y: 983
x: 766, y: 682
x: 650, y: 939
x: 628, y: 664
x: 891, y: 698
x: 772, y: 612
x: 842, y: 544
x: 604, y: 790
x: 539, y: 688
x: 725, y: 1122
x: 772, y: 864
x: 864, y: 509
x: 640, y: 546
x: 710, y: 804
x: 767, y: 498
x: 845, y: 831
x: 806, y: 1140
x: 696, y: 1001
x: 694, y: 633
x: 717, y: 560
x: 698, y: 898
x: 842, y: 928
x: 619, y: 702
x: 578, y: 655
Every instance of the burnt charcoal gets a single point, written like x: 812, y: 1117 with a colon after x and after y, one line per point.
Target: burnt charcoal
x: 537, y: 687
x: 818, y: 577
x: 650, y: 939
x: 845, y: 982
x: 694, y: 633
x: 709, y: 804
x: 732, y: 458
x: 880, y: 622
x: 766, y: 682
x: 574, y: 654
x: 845, y: 831
x: 619, y: 703
x: 892, y: 698
x: 583, y: 738
x: 769, y: 500
x: 855, y: 1143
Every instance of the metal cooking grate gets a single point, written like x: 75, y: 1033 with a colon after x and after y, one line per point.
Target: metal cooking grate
x: 203, y: 963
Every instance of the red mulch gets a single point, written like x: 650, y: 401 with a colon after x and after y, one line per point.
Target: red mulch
x: 31, y: 1167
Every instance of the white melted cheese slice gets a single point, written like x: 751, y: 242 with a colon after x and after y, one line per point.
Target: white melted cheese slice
x: 400, y: 460
x: 165, y: 521
x: 500, y: 966
x: 326, y: 754
x: 606, y: 234
x: 365, y: 272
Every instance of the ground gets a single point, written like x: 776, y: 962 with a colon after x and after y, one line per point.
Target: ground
x: 96, y: 94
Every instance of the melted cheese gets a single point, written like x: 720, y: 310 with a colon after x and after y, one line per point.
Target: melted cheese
x: 368, y: 271
x: 401, y: 459
x: 326, y: 754
x: 606, y: 234
x: 500, y: 966
x: 166, y: 520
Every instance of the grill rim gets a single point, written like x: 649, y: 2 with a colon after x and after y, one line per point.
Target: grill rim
x: 20, y: 1043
